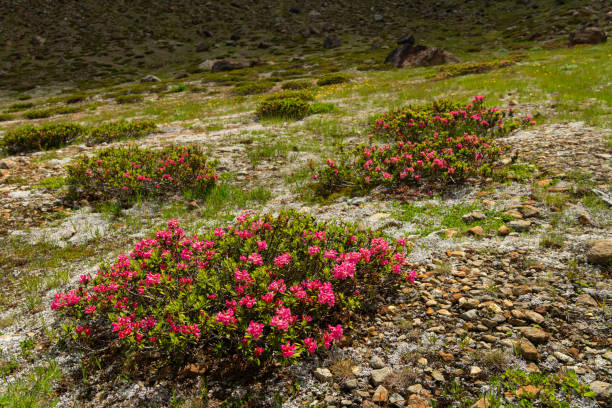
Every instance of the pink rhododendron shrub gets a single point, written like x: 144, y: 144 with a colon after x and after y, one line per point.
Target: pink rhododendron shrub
x: 125, y: 174
x: 431, y: 145
x: 264, y: 287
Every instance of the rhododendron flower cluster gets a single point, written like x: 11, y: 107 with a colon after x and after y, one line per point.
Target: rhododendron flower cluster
x: 434, y: 144
x: 127, y: 173
x: 264, y: 287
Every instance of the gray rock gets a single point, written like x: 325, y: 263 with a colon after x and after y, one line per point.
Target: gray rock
x: 600, y: 252
x: 602, y: 389
x: 150, y: 78
x: 587, y: 35
x: 379, y: 376
x: 323, y: 374
x: 520, y: 225
x: 376, y: 362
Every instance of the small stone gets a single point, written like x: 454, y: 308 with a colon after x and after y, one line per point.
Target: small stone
x: 482, y: 403
x: 379, y: 376
x: 437, y: 376
x: 534, y: 316
x: 529, y: 211
x: 381, y: 394
x: 150, y: 78
x: 503, y: 231
x: 514, y: 214
x: 537, y: 336
x: 422, y: 361
x: 323, y: 374
x: 520, y: 290
x: 477, y: 231
x: 600, y: 252
x: 475, y: 371
x: 473, y: 216
x: 528, y: 350
x: 376, y: 362
x: 520, y: 225
x: 470, y: 315
x: 586, y: 299
x: 601, y: 389
x: 415, y: 389
x: 350, y: 384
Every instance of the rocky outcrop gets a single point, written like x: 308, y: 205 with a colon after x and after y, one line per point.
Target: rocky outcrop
x: 407, y: 54
x: 587, y: 35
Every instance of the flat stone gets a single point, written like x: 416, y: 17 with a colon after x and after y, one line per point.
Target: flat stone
x: 586, y: 299
x: 602, y: 389
x: 529, y: 211
x: 376, y: 362
x: 437, y: 376
x: 350, y: 384
x: 534, y: 316
x: 537, y: 336
x: 520, y: 225
x: 379, y: 376
x: 528, y: 350
x: 475, y: 371
x: 528, y: 392
x: 477, y: 231
x: 473, y: 216
x: 600, y: 252
x: 323, y: 374
x: 381, y: 394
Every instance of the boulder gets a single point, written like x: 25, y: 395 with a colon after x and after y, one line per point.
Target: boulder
x: 587, y: 35
x: 150, y: 78
x: 332, y: 41
x: 203, y: 46
x: 227, y: 65
x: 409, y: 55
x: 600, y: 252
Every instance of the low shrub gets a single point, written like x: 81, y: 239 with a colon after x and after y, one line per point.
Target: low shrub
x: 131, y: 98
x: 299, y: 94
x: 296, y: 85
x: 6, y: 116
x: 38, y: 114
x: 455, y: 70
x: 283, y: 108
x: 65, y: 110
x: 128, y: 174
x: 31, y: 138
x: 20, y: 106
x: 123, y: 129
x: 179, y: 88
x: 264, y: 288
x: 332, y: 79
x: 252, y: 88
x: 430, y: 145
x: 75, y: 98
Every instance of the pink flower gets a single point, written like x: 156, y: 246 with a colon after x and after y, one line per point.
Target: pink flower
x: 255, y: 259
x: 330, y: 254
x: 336, y: 332
x: 227, y: 317
x: 311, y: 344
x: 242, y: 276
x: 84, y: 278
x: 411, y: 276
x: 262, y: 245
x: 248, y: 301
x: 282, y: 260
x: 314, y: 250
x: 90, y: 309
x: 258, y: 351
x: 288, y: 349
x: 326, y: 295
x: 344, y: 270
x: 255, y: 329
x: 153, y: 279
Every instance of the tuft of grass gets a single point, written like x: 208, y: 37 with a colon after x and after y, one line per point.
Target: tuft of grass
x: 297, y: 85
x: 6, y: 117
x: 252, y: 88
x: 35, y: 390
x: 20, y: 106
x: 552, y: 240
x: 122, y: 99
x: 53, y: 183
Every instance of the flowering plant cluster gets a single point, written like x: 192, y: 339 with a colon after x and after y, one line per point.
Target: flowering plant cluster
x: 266, y: 287
x: 126, y: 174
x: 433, y: 145
x: 123, y: 129
x: 31, y: 138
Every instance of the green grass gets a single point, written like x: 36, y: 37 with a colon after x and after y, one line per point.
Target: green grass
x: 36, y: 390
x: 431, y: 218
x: 216, y: 202
x: 53, y: 183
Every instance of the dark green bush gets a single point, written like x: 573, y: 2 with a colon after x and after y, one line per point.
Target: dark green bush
x: 252, y: 88
x: 31, y: 138
x: 64, y: 110
x: 16, y: 107
x: 121, y: 99
x: 6, y: 116
x: 123, y: 129
x: 284, y: 108
x: 75, y: 98
x: 296, y: 85
x: 127, y: 174
x: 332, y: 79
x: 297, y: 94
x: 38, y: 113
